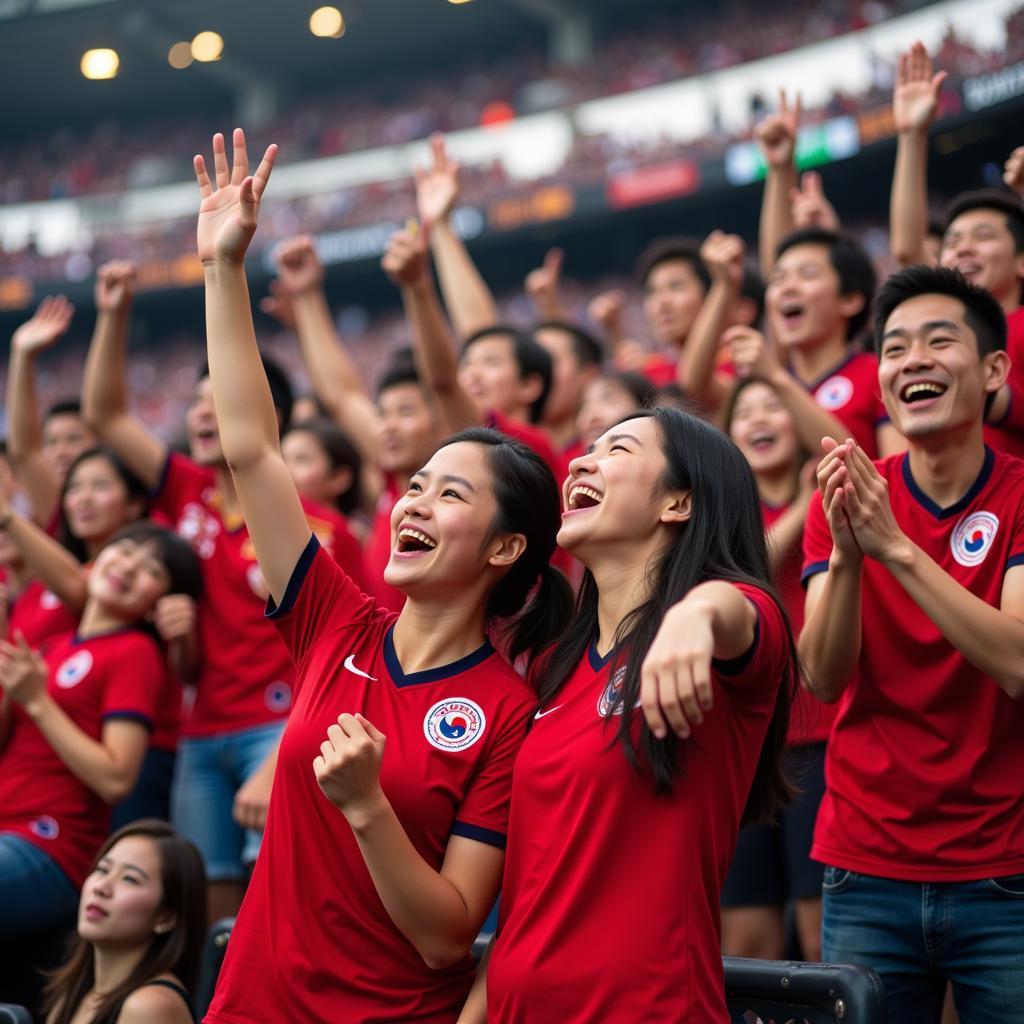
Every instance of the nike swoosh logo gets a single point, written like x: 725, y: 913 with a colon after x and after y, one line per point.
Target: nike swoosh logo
x: 350, y: 664
x: 542, y: 714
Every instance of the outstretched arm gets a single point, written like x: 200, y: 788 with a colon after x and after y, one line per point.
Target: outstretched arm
x: 105, y: 387
x: 25, y: 435
x: 776, y: 136
x: 245, y: 411
x: 915, y: 101
x: 405, y: 262
x: 467, y: 298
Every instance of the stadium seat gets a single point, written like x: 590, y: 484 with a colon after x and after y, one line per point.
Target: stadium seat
x: 11, y: 1014
x: 209, y: 967
x: 783, y: 990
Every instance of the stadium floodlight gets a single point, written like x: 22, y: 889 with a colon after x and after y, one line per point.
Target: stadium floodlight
x: 180, y: 55
x: 100, y: 64
x: 458, y: 1
x: 327, y: 23
x: 207, y: 46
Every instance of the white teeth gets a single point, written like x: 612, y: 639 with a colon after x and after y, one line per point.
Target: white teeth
x: 407, y: 533
x: 791, y: 309
x: 911, y: 390
x: 581, y: 490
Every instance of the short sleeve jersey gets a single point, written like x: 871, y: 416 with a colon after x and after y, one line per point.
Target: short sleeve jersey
x: 246, y: 676
x: 925, y: 761
x: 610, y: 900
x: 1008, y: 434
x: 39, y: 615
x: 313, y: 941
x: 851, y: 393
x: 118, y: 675
x: 810, y: 721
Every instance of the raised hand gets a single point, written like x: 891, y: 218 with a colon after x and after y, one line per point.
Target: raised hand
x: 832, y: 477
x: 278, y: 304
x: 115, y: 286
x: 541, y: 285
x: 48, y: 323
x: 405, y: 260
x: 1013, y: 171
x: 811, y: 209
x: 438, y: 188
x: 227, y: 216
x: 750, y: 353
x: 915, y: 98
x: 607, y: 311
x: 22, y: 672
x: 723, y: 255
x: 776, y: 134
x: 868, y: 507
x: 298, y: 266
x: 348, y: 767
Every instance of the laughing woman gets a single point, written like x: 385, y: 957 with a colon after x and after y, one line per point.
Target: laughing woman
x: 662, y: 719
x: 377, y: 868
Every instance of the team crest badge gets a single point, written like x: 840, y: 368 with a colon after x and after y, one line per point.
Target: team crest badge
x: 44, y: 827
x: 610, y: 693
x: 834, y: 393
x: 74, y: 670
x: 278, y: 697
x: 454, y: 724
x: 49, y: 600
x: 972, y: 537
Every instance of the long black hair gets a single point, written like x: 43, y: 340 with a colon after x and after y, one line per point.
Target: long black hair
x: 533, y: 601
x: 722, y: 540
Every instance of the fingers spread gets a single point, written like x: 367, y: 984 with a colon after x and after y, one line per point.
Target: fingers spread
x: 239, y: 157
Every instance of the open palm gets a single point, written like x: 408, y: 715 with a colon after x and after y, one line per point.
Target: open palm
x: 227, y: 216
x: 438, y: 188
x: 916, y: 96
x: 51, y: 320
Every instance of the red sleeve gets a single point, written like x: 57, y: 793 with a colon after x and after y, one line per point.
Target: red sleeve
x: 181, y: 481
x: 483, y: 814
x: 765, y: 660
x: 817, y: 540
x: 319, y: 596
x: 135, y: 682
x: 347, y: 553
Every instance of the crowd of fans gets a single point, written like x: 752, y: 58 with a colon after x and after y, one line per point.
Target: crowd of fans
x: 797, y: 557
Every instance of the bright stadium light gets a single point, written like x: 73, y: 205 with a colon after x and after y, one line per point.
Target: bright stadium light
x: 207, y: 46
x: 180, y: 55
x: 100, y: 64
x: 327, y: 22
x: 458, y: 1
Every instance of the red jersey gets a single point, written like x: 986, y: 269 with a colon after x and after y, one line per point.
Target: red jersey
x: 377, y: 552
x: 533, y: 437
x: 851, y: 393
x: 610, y: 900
x: 246, y: 676
x: 39, y: 615
x: 313, y: 941
x: 925, y: 761
x: 95, y: 679
x: 810, y: 721
x: 1007, y: 435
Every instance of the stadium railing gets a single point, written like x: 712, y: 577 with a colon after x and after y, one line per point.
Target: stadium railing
x: 778, y: 991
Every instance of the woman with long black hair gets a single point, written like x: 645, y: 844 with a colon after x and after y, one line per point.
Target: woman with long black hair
x: 661, y: 724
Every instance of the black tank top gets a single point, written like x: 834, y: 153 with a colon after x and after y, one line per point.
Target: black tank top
x: 172, y: 985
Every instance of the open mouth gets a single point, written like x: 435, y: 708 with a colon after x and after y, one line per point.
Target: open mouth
x: 761, y: 442
x: 792, y: 313
x: 921, y: 391
x: 969, y: 269
x: 581, y: 497
x: 411, y: 540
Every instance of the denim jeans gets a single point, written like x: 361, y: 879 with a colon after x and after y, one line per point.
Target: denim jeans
x: 34, y: 893
x: 918, y: 935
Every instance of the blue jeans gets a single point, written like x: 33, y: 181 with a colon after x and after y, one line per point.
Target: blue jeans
x: 208, y: 773
x: 34, y: 893
x: 151, y: 797
x: 919, y: 935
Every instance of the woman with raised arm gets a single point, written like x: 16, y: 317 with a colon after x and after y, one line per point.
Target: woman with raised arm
x: 662, y: 719
x: 141, y: 926
x: 377, y: 868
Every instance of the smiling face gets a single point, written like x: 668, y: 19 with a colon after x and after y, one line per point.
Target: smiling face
x: 201, y: 426
x: 489, y: 373
x: 65, y: 437
x: 441, y: 529
x: 96, y: 500
x: 673, y: 294
x: 930, y: 373
x: 407, y: 430
x: 615, y: 496
x: 120, y: 906
x: 763, y: 429
x: 128, y: 578
x: 804, y: 304
x: 979, y: 245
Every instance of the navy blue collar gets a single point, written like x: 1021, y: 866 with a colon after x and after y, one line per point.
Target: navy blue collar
x: 597, y: 662
x: 118, y: 631
x: 430, y: 675
x: 958, y: 506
